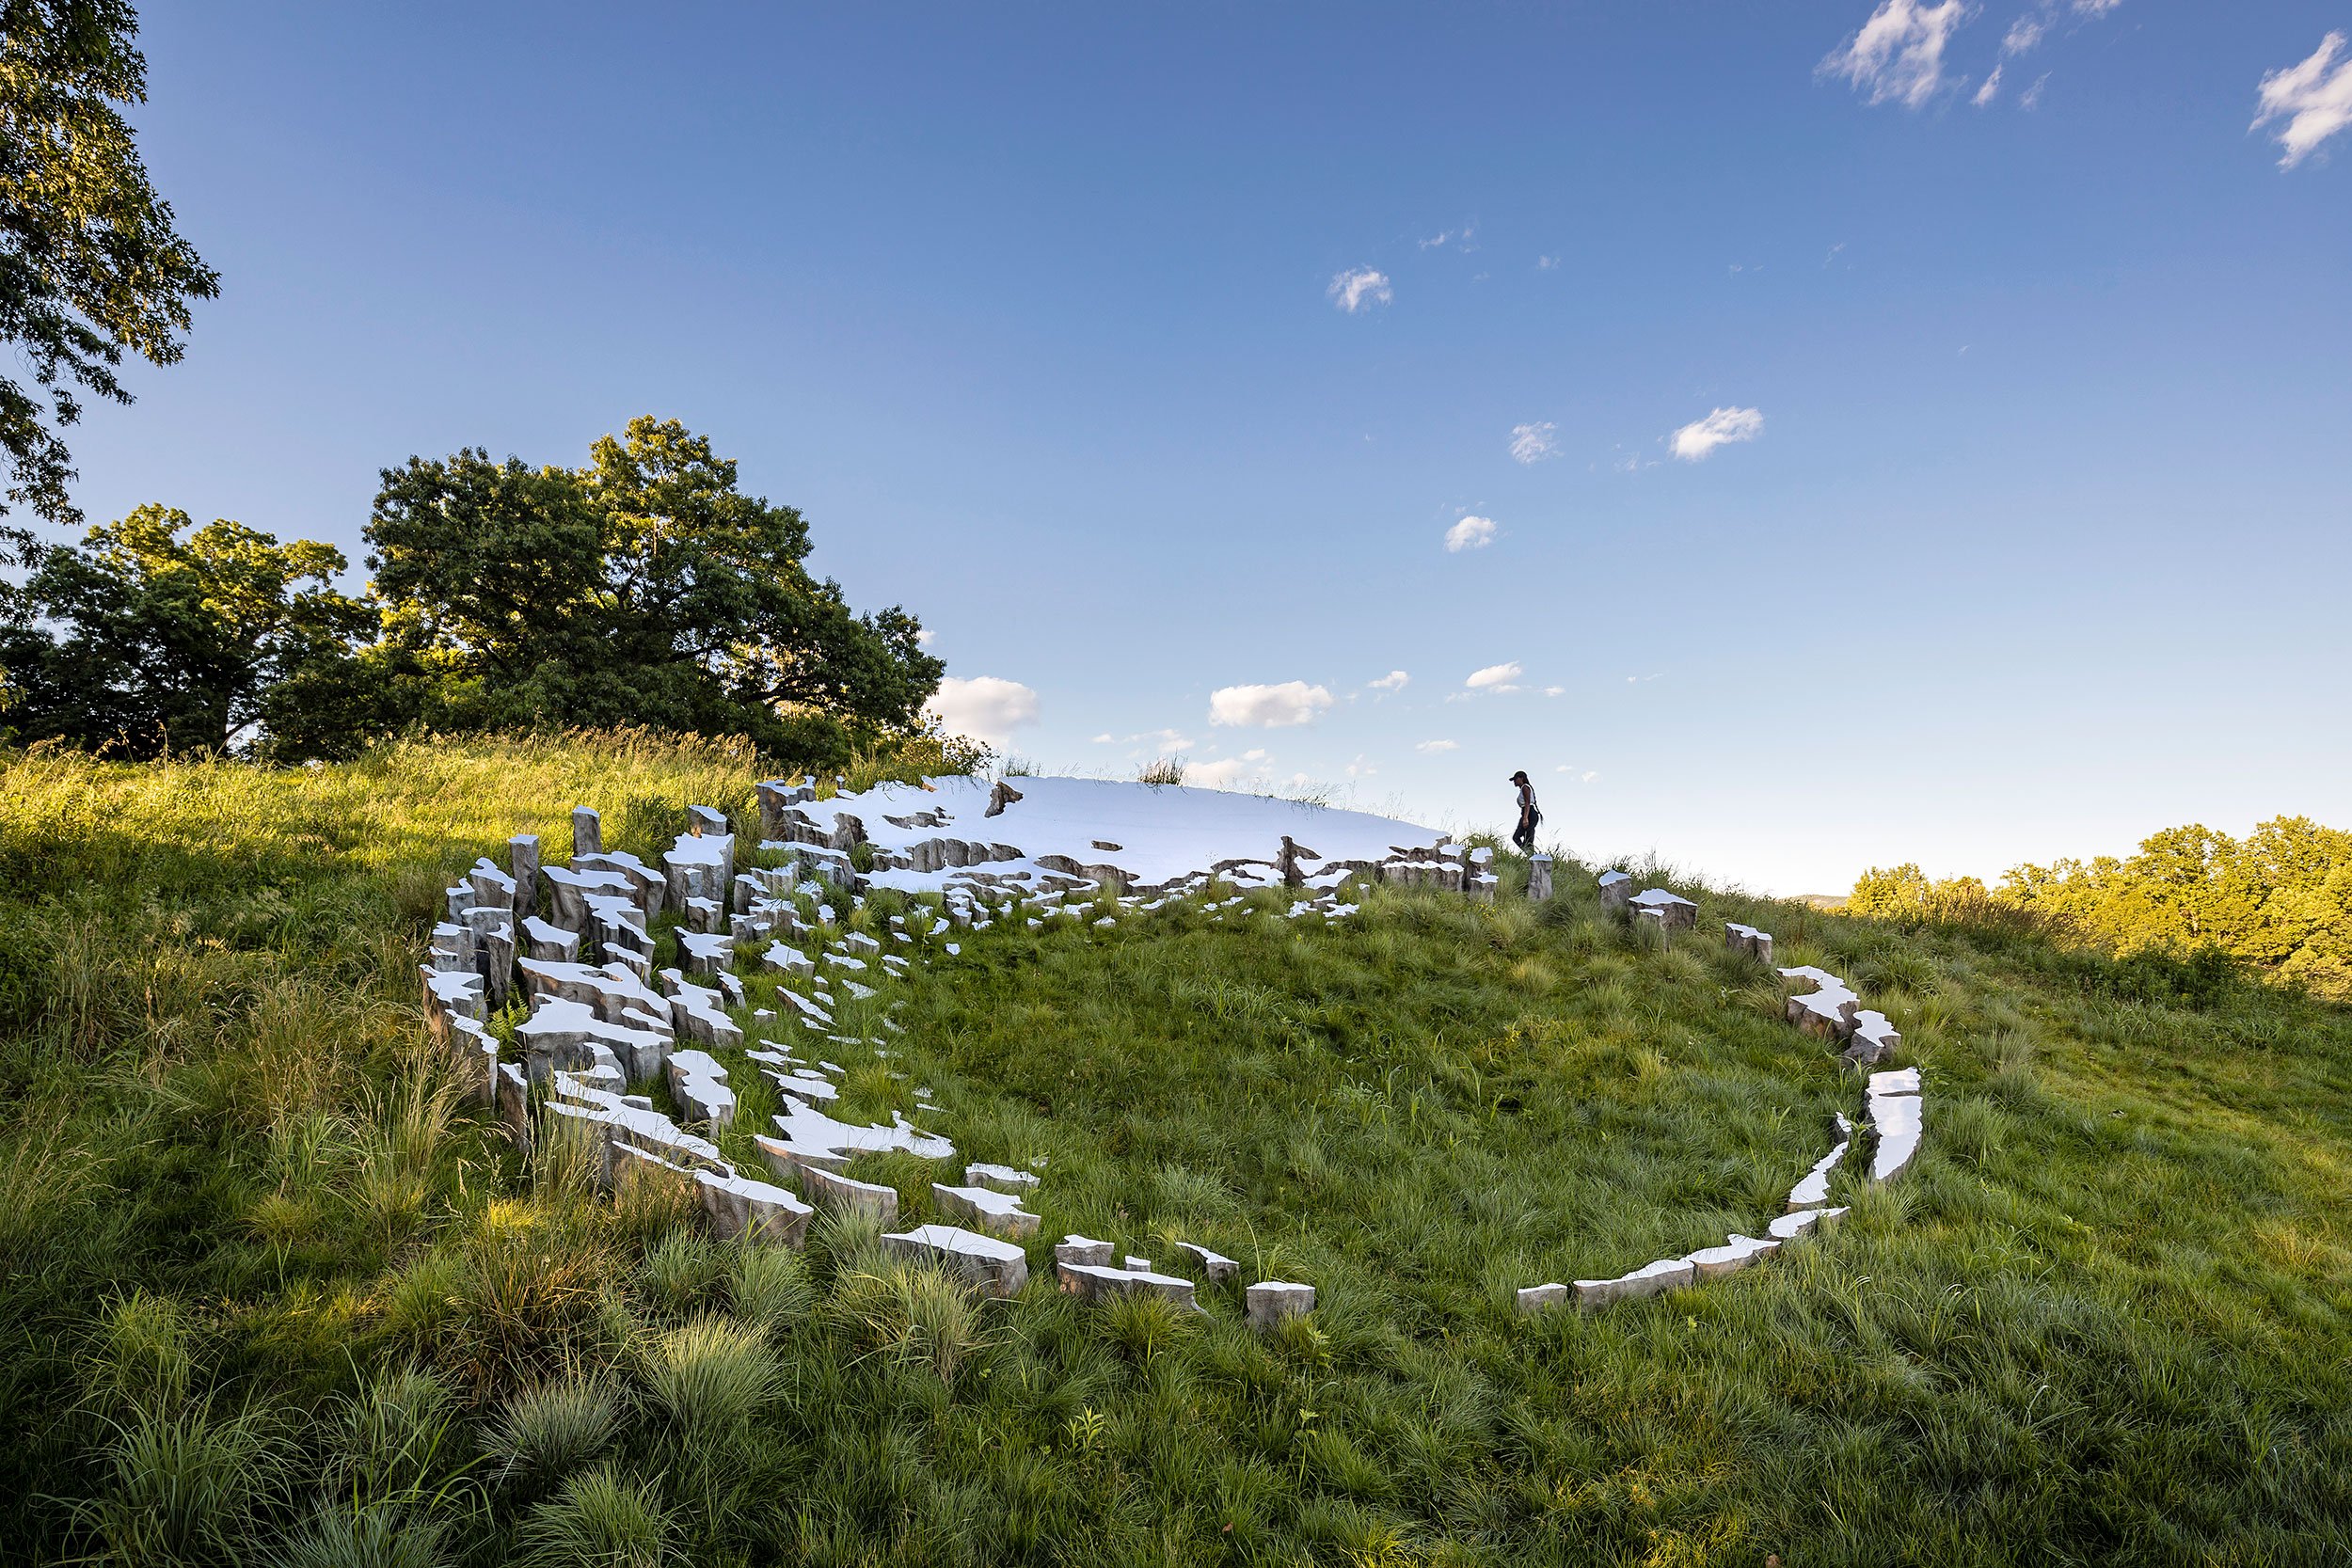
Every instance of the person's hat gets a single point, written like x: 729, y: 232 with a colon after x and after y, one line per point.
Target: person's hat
x: 1519, y: 777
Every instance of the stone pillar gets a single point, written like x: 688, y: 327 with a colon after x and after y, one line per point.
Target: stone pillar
x: 522, y: 856
x: 1617, y: 890
x: 705, y: 820
x: 587, y: 831
x: 1539, y: 877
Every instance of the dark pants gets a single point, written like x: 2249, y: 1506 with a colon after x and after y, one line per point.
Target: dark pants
x: 1524, y: 836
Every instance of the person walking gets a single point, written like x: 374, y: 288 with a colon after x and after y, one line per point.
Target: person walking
x: 1524, y: 834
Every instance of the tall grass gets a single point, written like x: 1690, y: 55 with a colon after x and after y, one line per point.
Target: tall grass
x: 269, y: 1293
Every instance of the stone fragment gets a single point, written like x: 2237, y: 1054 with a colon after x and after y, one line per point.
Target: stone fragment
x: 995, y: 1268
x: 1812, y: 1189
x: 522, y: 862
x: 705, y: 952
x: 587, y: 831
x: 1896, y: 1124
x: 1650, y: 1280
x: 1803, y: 1222
x: 788, y: 960
x: 1215, y: 1266
x: 513, y: 1103
x: 1097, y: 1282
x: 736, y: 1206
x: 1747, y: 940
x: 699, y: 1085
x: 1616, y: 888
x: 1734, y: 1255
x: 831, y: 1190
x: 1539, y: 1298
x: 998, y: 1213
x: 1005, y: 1179
x: 549, y: 943
x: 1539, y: 876
x: 1074, y: 1248
x: 1675, y: 913
x: 1826, y: 1012
x: 1273, y: 1301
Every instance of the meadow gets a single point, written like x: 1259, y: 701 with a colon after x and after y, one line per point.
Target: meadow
x: 271, y: 1293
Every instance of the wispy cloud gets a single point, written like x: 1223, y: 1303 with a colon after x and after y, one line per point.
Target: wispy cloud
x: 1533, y: 443
x: 1267, y: 707
x: 1394, y: 680
x: 1494, y: 677
x: 1575, y: 774
x: 1432, y: 748
x: 986, y: 707
x: 2022, y: 36
x: 1471, y: 533
x: 2315, y: 97
x: 1694, y: 440
x: 1990, y: 90
x: 1897, y: 54
x: 1357, y: 290
x: 1545, y: 263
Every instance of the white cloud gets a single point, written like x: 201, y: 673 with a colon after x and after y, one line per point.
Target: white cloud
x: 1267, y: 707
x: 2096, y: 7
x: 1990, y: 90
x: 1105, y: 739
x: 1575, y: 774
x: 1255, y: 753
x: 1361, y: 767
x: 1545, y: 263
x: 1393, y: 681
x: 1555, y: 691
x: 1533, y: 443
x: 1471, y: 533
x: 986, y: 707
x: 1899, y: 54
x: 925, y: 638
x: 2315, y: 101
x: 1431, y: 244
x: 1494, y: 677
x: 1432, y: 748
x: 1353, y: 290
x: 2023, y: 35
x: 1694, y: 440
x: 1221, y: 774
x: 2031, y: 97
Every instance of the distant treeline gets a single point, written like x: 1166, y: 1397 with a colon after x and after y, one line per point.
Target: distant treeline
x: 2280, y: 899
x: 643, y: 590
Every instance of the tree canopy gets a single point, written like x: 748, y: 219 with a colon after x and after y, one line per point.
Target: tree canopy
x: 2281, y: 899
x: 168, y: 644
x: 643, y: 587
x: 643, y: 590
x: 89, y: 263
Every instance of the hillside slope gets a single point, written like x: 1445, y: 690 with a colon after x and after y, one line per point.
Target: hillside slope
x: 274, y: 1293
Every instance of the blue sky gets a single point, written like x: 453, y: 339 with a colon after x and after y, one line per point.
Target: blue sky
x: 2035, y: 539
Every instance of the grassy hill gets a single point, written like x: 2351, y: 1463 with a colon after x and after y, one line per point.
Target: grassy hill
x: 271, y: 1294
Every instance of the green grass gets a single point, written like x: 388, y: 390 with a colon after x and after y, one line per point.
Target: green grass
x: 268, y: 1294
